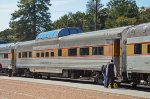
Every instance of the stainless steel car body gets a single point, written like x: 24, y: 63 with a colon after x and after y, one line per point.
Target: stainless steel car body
x: 138, y: 63
x: 57, y: 64
x: 5, y: 49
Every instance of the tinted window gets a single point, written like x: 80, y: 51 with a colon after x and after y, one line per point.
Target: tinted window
x: 42, y: 54
x: 137, y: 49
x: 72, y: 52
x: 84, y: 51
x: 5, y: 55
x: 3, y: 42
x: 63, y: 32
x: 52, y: 53
x: 148, y: 48
x: 59, y: 52
x: 46, y: 54
x: 80, y: 30
x: 37, y: 54
x: 19, y: 55
x: 30, y: 54
x: 24, y: 54
x: 73, y: 31
x: 98, y: 51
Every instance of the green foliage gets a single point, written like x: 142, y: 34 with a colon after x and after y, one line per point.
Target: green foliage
x: 144, y: 15
x: 118, y: 13
x: 91, y: 10
x: 122, y: 13
x: 91, y: 7
x: 31, y: 18
x: 8, y: 35
x: 103, y: 17
x: 78, y: 19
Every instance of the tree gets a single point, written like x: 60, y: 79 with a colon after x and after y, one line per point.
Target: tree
x: 93, y: 11
x: 144, y: 15
x: 31, y: 18
x: 77, y: 19
x: 122, y: 13
x: 103, y: 17
x: 8, y: 35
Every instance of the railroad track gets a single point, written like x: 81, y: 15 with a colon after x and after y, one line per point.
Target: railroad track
x: 91, y: 81
x: 87, y: 80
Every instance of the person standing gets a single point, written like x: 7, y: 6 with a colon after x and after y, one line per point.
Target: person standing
x: 1, y: 67
x: 103, y: 70
x: 111, y: 73
x: 10, y: 70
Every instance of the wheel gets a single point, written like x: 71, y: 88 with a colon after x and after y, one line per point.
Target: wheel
x: 48, y: 77
x: 134, y: 84
x: 39, y: 76
x: 97, y: 79
x: 72, y: 75
x: 35, y: 75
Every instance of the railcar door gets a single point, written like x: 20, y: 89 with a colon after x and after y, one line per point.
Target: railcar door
x: 117, y: 54
x: 13, y: 58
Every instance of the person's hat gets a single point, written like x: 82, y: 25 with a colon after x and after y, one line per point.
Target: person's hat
x: 112, y: 60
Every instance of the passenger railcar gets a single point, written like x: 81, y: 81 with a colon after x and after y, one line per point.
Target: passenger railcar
x: 7, y: 55
x: 74, y: 55
x: 70, y: 53
x: 3, y: 41
x: 138, y: 53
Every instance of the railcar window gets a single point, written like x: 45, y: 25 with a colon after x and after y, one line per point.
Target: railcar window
x: 52, y: 53
x: 24, y: 54
x: 148, y: 49
x: 5, y: 55
x: 37, y: 54
x: 46, y: 54
x: 30, y: 54
x: 42, y: 54
x: 138, y: 49
x: 84, y: 51
x: 19, y: 55
x: 98, y: 51
x: 72, y: 52
x: 59, y: 52
x: 64, y: 32
x: 73, y: 31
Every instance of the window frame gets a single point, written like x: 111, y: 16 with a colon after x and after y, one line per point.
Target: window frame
x: 59, y: 52
x: 83, y: 50
x: 47, y: 54
x: 72, y: 52
x: 19, y: 55
x: 24, y: 54
x: 99, y: 50
x: 30, y: 54
x: 138, y: 48
x: 38, y: 54
x: 52, y: 54
x: 42, y: 54
x: 6, y: 55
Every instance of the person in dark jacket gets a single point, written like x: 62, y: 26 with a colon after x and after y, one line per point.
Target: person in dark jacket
x: 111, y: 73
x: 1, y: 67
x: 103, y: 70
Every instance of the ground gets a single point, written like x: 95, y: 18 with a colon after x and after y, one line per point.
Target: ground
x: 15, y: 89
